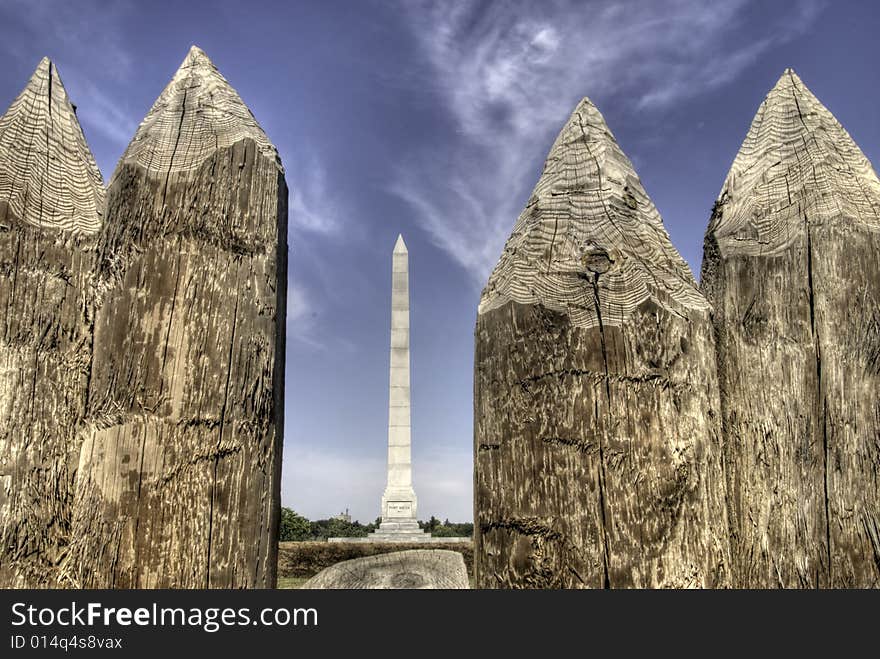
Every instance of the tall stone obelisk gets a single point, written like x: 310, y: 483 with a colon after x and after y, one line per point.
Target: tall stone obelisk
x: 399, y: 499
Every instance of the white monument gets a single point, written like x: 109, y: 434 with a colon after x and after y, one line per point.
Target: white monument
x: 399, y: 503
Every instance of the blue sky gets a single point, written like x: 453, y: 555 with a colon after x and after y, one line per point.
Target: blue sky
x: 432, y: 119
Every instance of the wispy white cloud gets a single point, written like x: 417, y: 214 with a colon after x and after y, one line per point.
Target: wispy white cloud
x: 318, y: 217
x: 307, y: 323
x: 313, y: 206
x: 297, y: 306
x: 509, y: 74
x: 302, y: 317
x: 98, y: 110
x: 72, y: 28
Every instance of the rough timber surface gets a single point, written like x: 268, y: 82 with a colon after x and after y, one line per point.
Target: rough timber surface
x: 51, y: 197
x: 791, y: 267
x: 596, y: 432
x: 414, y: 569
x: 179, y: 479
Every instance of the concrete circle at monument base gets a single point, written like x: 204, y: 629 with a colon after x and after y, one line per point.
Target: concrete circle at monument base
x: 439, y: 569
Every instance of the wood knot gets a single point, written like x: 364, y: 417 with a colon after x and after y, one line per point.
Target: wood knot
x: 597, y: 261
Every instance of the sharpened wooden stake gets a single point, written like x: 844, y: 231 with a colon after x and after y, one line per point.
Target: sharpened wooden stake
x: 51, y: 205
x: 596, y: 432
x: 179, y: 480
x: 792, y: 268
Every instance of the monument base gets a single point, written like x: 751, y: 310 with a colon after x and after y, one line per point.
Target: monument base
x: 400, y: 530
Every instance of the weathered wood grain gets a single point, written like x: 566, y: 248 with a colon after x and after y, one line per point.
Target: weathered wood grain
x: 179, y: 478
x: 596, y: 431
x: 791, y: 267
x: 51, y: 205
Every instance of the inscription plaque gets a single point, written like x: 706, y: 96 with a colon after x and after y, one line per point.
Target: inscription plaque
x: 400, y: 509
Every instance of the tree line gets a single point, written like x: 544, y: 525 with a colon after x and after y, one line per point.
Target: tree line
x: 295, y: 527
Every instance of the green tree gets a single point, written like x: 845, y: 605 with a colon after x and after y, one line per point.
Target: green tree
x: 444, y: 531
x: 449, y: 530
x: 293, y: 526
x: 338, y: 528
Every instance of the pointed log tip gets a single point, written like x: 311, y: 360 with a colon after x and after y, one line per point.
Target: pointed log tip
x: 788, y: 79
x: 198, y: 103
x: 548, y: 268
x: 48, y: 69
x: 768, y: 178
x: 585, y: 102
x: 587, y: 113
x: 41, y: 127
x: 44, y: 69
x: 196, y: 56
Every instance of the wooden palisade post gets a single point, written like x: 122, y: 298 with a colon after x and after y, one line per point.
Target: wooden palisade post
x: 179, y: 482
x: 51, y: 205
x: 792, y: 268
x: 597, y: 437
